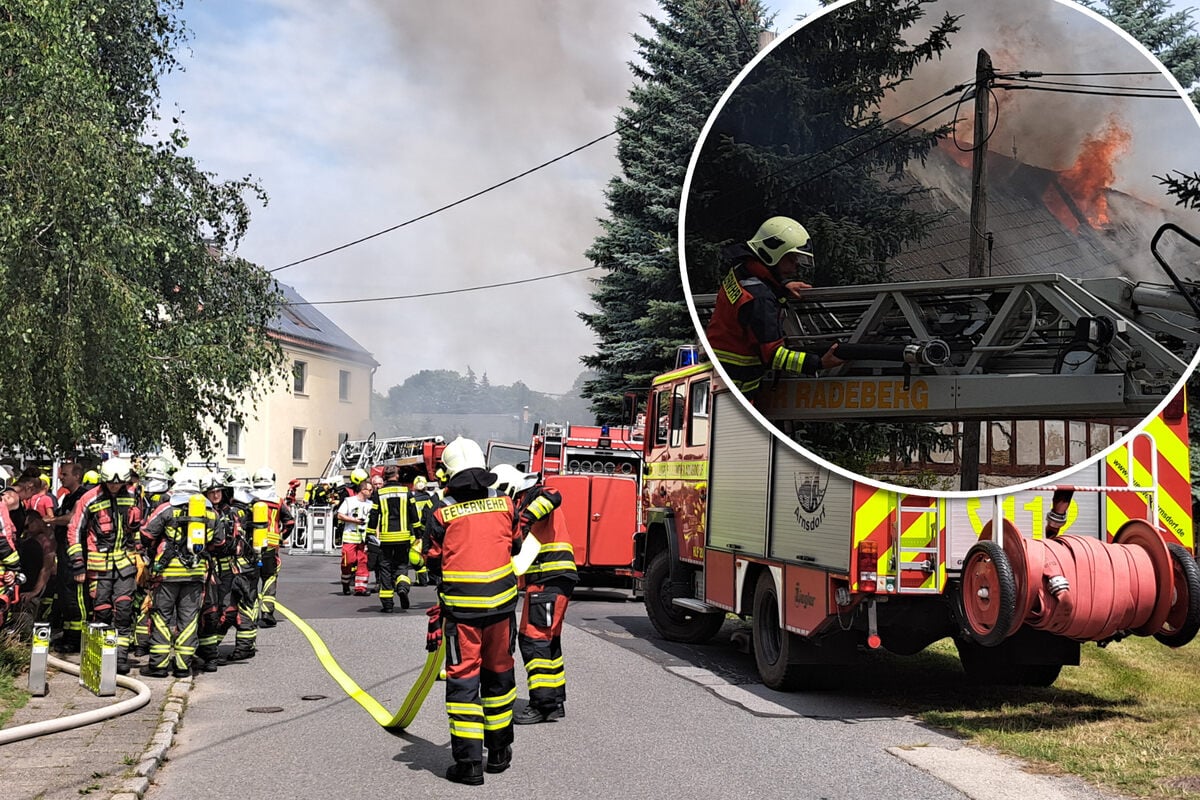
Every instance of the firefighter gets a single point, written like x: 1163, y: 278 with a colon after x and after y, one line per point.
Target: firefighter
x: 395, y: 523
x: 549, y: 583
x: 353, y: 513
x: 424, y: 494
x: 746, y: 331
x: 179, y: 535
x: 471, y: 543
x: 243, y: 607
x: 69, y: 606
x: 218, y: 585
x: 11, y: 577
x: 102, y: 539
x: 275, y: 529
x: 338, y: 494
x: 156, y: 490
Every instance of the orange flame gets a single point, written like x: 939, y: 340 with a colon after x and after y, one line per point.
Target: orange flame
x: 1090, y: 177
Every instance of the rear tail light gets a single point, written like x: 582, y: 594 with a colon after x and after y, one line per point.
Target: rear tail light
x: 868, y: 566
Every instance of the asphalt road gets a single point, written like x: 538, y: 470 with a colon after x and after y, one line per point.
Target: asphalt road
x: 645, y: 719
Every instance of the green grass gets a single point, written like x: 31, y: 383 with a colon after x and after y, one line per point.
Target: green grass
x: 14, y: 661
x: 1127, y: 718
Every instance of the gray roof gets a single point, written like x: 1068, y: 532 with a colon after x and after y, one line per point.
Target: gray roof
x: 297, y: 320
x: 1028, y: 236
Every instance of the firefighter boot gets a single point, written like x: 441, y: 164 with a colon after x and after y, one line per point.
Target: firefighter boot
x: 241, y: 653
x: 387, y: 607
x: 499, y: 760
x: 69, y: 643
x: 154, y: 672
x: 468, y: 772
x: 402, y: 593
x: 208, y: 655
x: 532, y: 715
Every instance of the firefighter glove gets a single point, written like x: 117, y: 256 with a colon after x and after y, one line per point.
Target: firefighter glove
x: 433, y: 638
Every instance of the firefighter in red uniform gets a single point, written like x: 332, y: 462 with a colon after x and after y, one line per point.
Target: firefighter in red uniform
x: 10, y: 560
x: 746, y: 332
x: 102, y: 539
x: 549, y: 583
x: 471, y: 543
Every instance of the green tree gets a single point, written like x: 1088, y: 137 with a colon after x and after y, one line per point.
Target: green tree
x: 123, y: 315
x: 696, y: 50
x: 777, y: 147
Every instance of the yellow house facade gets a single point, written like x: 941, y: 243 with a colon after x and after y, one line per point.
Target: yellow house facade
x: 325, y: 399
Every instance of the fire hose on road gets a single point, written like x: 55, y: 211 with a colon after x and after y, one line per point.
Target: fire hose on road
x: 1079, y: 587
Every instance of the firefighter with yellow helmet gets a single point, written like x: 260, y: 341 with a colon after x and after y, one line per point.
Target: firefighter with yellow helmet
x: 746, y: 331
x: 102, y: 538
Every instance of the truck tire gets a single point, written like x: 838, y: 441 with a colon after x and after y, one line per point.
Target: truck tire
x: 987, y: 596
x: 984, y: 666
x: 675, y: 623
x: 773, y: 646
x: 1184, y: 620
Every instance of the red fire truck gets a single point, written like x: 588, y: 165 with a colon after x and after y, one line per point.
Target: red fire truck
x: 598, y: 471
x: 737, y: 521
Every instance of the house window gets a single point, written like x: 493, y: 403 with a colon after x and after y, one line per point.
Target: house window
x: 298, y: 444
x: 299, y: 376
x: 343, y: 385
x: 233, y: 440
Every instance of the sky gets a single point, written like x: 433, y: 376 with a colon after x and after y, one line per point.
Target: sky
x: 360, y: 115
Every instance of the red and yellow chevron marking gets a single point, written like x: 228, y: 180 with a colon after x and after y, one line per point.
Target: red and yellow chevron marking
x: 1174, y: 482
x: 920, y: 529
x: 873, y: 521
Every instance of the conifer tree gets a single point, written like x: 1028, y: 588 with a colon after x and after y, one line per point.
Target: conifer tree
x: 697, y: 49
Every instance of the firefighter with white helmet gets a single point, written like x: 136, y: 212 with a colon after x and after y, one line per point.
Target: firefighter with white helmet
x: 746, y: 332
x: 180, y: 533
x: 218, y: 603
x: 471, y: 542
x: 242, y: 610
x: 155, y: 490
x: 102, y: 538
x: 272, y: 522
x: 549, y: 583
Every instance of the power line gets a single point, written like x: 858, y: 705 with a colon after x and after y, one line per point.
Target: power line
x: 445, y: 291
x: 1033, y: 88
x: 1095, y: 85
x: 460, y: 201
x: 1025, y: 73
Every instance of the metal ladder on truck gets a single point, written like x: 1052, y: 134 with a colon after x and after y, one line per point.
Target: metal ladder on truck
x: 366, y: 453
x: 923, y: 563
x: 1036, y: 346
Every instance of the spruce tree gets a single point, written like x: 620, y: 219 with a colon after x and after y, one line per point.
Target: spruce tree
x: 802, y: 136
x: 697, y: 49
x: 1168, y: 34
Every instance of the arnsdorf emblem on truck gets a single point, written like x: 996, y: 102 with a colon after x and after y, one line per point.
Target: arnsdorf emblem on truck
x: 811, y: 486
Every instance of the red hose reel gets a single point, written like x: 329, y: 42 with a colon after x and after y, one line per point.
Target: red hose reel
x: 1079, y: 587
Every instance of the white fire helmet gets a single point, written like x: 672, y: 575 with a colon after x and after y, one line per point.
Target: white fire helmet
x: 116, y: 470
x: 188, y: 480
x: 264, y: 484
x: 462, y: 454
x: 512, y: 481
x: 777, y: 237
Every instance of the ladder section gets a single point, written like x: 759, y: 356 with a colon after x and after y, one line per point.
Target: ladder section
x: 1036, y: 346
x: 920, y: 561
x: 366, y: 453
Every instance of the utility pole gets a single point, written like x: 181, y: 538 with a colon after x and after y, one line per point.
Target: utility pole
x: 969, y: 474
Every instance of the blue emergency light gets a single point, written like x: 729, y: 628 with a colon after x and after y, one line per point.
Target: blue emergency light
x: 687, y: 355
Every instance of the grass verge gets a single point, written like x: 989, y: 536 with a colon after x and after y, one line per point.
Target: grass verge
x: 1126, y: 719
x: 14, y: 660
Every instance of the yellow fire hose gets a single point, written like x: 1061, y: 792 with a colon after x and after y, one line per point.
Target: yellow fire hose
x: 392, y: 723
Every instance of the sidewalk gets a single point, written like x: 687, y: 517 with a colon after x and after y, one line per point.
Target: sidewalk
x: 110, y: 760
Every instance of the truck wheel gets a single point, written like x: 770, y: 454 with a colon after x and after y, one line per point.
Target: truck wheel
x: 986, y: 667
x: 1183, y: 622
x: 673, y: 622
x: 987, y: 593
x: 773, y: 646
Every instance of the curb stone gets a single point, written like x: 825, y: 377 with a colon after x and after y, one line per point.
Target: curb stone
x: 155, y: 754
